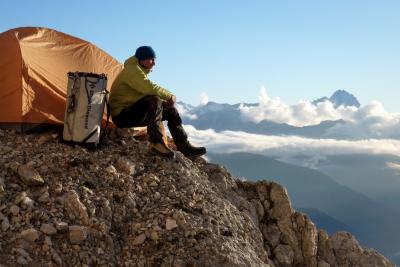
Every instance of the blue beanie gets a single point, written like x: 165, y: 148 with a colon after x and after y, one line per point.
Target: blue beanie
x: 145, y: 52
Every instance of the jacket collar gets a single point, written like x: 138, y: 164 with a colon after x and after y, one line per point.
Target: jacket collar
x: 133, y: 61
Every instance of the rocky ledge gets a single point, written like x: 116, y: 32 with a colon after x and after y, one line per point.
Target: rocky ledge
x: 64, y: 205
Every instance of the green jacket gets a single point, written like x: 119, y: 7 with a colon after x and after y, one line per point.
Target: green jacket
x: 132, y: 84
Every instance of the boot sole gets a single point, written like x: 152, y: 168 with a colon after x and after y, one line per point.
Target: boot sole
x: 196, y: 155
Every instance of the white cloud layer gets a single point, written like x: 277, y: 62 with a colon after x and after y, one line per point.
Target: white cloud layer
x: 203, y: 99
x: 394, y: 166
x: 287, y: 146
x: 302, y: 114
x: 368, y: 121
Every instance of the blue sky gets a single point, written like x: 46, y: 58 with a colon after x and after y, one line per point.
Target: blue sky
x: 229, y: 49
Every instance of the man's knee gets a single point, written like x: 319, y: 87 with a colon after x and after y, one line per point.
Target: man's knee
x: 153, y: 100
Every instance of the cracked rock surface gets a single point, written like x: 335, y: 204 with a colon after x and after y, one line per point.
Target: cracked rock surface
x: 64, y: 205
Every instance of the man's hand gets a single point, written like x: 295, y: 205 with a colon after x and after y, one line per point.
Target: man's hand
x: 171, y: 102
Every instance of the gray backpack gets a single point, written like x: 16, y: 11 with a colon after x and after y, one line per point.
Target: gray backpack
x: 86, y: 98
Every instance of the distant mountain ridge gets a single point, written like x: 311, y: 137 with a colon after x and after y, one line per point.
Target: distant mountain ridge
x: 221, y: 117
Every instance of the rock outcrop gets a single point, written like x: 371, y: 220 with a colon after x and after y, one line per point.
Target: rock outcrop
x: 118, y: 206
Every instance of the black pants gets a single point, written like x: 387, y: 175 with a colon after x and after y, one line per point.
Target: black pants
x: 149, y: 111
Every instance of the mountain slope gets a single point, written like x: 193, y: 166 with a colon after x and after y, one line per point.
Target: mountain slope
x: 374, y: 175
x: 374, y: 222
x: 119, y: 206
x: 326, y: 222
x: 307, y: 187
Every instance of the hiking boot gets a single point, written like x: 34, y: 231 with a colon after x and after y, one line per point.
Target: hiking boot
x: 161, y: 150
x: 192, y: 151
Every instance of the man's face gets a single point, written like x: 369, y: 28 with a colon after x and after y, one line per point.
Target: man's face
x: 148, y: 63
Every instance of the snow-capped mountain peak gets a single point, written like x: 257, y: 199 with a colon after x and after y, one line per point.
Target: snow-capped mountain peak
x: 340, y: 98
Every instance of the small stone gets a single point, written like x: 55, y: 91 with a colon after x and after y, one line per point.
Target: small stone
x: 43, y: 169
x: 5, y: 224
x: 154, y: 184
x: 126, y: 166
x: 111, y: 169
x: 197, y: 197
x: 28, y: 202
x: 157, y: 195
x: 29, y: 175
x: 30, y: 235
x: 323, y: 264
x: 43, y: 139
x: 20, y: 197
x: 48, y: 229
x: 170, y: 224
x: 56, y: 258
x: 21, y: 260
x: 58, y: 188
x: 22, y: 252
x: 61, y: 226
x: 154, y: 235
x: 44, y: 198
x: 75, y: 208
x: 14, y: 209
x: 137, y: 226
x: 77, y: 234
x: 87, y: 190
x: 14, y: 166
x: 45, y: 247
x: 179, y: 263
x: 47, y: 241
x: 139, y: 239
x: 14, y: 186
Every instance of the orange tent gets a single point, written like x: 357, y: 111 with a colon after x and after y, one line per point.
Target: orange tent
x: 34, y: 63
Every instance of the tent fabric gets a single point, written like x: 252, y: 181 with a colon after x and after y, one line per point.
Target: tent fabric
x: 34, y: 63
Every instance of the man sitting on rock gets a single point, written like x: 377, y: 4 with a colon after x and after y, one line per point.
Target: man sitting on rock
x: 137, y: 101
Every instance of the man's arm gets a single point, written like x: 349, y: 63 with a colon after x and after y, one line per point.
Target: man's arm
x: 139, y: 81
x: 171, y: 102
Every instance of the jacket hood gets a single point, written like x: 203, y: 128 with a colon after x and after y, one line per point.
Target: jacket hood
x: 132, y: 62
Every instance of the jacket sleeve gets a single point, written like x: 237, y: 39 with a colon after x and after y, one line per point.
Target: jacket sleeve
x: 138, y: 79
